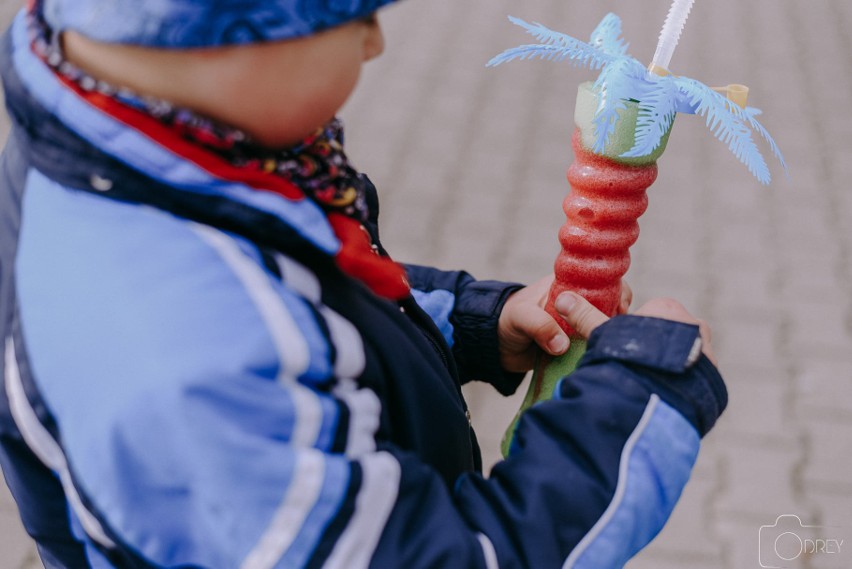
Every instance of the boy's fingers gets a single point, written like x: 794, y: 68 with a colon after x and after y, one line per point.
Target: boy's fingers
x: 545, y: 332
x: 579, y: 313
x: 626, y: 298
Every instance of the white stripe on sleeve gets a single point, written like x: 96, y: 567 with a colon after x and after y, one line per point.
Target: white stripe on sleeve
x: 292, y: 347
x: 488, y: 551
x: 345, y: 337
x: 299, y: 501
x: 364, y: 406
x: 299, y: 278
x: 365, y: 409
x: 621, y: 486
x: 373, y: 506
x: 45, y: 448
x: 347, y: 341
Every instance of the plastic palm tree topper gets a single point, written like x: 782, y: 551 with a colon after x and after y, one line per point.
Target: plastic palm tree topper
x: 660, y: 98
x: 623, y: 123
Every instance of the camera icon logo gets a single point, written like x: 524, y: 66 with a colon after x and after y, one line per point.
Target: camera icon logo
x: 785, y: 544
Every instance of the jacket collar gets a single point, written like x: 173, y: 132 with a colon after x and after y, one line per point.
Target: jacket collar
x: 87, y: 141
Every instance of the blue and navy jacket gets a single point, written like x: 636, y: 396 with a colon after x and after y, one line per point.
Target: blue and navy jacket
x: 190, y: 381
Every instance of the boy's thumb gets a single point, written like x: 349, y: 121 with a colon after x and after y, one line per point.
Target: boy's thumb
x: 579, y: 313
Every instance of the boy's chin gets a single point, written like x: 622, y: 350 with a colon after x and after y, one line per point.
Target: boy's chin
x: 275, y: 139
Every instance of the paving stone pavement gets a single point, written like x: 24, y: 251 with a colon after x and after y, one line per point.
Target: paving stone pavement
x: 470, y: 163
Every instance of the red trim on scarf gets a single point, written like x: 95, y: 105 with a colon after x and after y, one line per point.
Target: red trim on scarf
x: 166, y: 137
x: 356, y: 257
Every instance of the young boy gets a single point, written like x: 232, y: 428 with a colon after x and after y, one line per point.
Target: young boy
x: 210, y: 360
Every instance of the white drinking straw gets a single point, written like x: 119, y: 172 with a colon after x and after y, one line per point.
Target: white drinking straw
x: 670, y: 35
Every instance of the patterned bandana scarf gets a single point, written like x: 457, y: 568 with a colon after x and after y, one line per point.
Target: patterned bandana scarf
x: 318, y: 165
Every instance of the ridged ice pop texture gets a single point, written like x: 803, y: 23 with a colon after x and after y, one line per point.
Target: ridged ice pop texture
x: 602, y: 212
x: 608, y: 194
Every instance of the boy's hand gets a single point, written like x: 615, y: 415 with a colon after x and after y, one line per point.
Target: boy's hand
x: 583, y: 317
x: 524, y: 326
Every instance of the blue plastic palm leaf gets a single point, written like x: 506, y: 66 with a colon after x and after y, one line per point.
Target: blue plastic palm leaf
x: 750, y: 113
x: 615, y: 85
x: 555, y: 47
x: 607, y: 36
x: 727, y: 122
x: 623, y: 79
x: 547, y: 53
x: 543, y: 33
x: 656, y: 113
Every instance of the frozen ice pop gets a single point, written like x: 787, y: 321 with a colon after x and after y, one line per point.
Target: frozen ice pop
x: 607, y: 197
x: 623, y: 121
x: 608, y: 194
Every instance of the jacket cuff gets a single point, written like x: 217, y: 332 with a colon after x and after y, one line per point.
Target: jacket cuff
x: 665, y: 356
x: 476, y: 346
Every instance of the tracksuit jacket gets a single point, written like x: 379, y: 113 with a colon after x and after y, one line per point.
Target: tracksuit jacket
x: 191, y: 381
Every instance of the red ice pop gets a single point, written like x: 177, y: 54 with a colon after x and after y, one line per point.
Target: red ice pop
x: 608, y: 194
x: 623, y: 124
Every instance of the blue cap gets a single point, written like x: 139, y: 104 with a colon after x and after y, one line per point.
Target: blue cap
x: 201, y: 23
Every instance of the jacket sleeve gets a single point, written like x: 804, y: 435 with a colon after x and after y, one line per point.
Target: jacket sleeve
x: 466, y: 312
x: 232, y: 450
x: 592, y: 476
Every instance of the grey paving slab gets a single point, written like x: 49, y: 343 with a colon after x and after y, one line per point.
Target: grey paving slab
x: 16, y: 548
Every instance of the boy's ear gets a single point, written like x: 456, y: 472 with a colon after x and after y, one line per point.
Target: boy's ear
x: 375, y: 41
